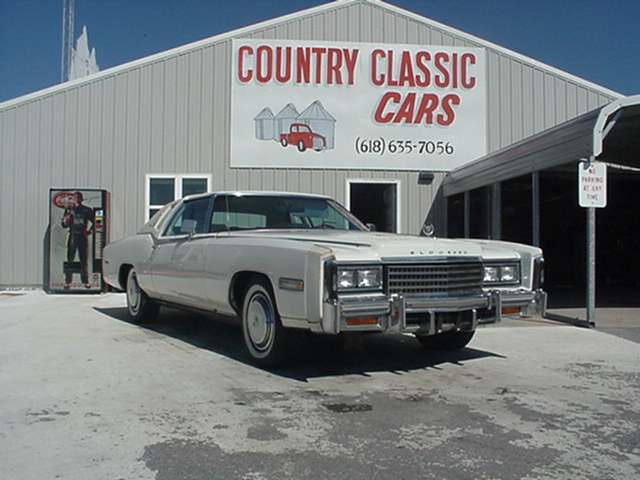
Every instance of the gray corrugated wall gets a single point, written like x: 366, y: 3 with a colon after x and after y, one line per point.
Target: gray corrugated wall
x: 170, y: 114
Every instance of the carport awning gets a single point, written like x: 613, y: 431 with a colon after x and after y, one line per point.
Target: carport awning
x: 610, y: 134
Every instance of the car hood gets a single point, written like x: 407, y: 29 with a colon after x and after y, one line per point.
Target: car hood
x: 358, y: 245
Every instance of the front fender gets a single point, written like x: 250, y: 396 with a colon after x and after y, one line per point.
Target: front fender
x: 134, y: 251
x: 294, y: 270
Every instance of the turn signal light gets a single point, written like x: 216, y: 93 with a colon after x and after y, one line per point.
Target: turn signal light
x: 510, y: 310
x: 357, y: 321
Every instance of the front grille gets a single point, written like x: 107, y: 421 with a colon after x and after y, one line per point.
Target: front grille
x: 435, y: 280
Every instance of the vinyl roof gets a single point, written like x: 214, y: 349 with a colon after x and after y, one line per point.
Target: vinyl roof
x: 610, y: 134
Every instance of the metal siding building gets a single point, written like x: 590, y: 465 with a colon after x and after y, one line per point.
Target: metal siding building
x: 169, y: 114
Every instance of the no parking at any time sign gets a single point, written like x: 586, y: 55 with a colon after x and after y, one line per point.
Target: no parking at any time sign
x: 592, y: 184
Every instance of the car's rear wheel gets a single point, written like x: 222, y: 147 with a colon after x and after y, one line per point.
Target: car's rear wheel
x: 141, y: 307
x: 284, y: 142
x: 265, y: 339
x: 447, y: 341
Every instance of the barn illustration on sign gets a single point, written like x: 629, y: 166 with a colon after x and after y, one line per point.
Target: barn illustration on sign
x: 314, y: 128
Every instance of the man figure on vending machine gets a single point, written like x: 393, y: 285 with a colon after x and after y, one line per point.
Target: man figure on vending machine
x: 79, y: 219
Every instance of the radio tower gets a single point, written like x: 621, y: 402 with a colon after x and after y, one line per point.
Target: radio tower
x: 68, y: 9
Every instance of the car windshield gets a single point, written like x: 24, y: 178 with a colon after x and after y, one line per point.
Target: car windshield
x: 248, y: 212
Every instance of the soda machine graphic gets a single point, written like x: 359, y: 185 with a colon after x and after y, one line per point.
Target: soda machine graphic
x: 313, y: 129
x: 77, y: 234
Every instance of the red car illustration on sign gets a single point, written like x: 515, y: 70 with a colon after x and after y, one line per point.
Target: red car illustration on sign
x: 301, y: 135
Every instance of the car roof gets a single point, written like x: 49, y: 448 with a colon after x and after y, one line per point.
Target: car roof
x: 255, y: 193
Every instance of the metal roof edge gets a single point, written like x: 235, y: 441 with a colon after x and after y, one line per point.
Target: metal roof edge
x: 500, y: 49
x: 576, y: 132
x: 579, y: 137
x: 183, y: 49
x: 605, y: 113
x: 528, y: 140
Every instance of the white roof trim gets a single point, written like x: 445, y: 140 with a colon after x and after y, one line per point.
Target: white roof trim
x: 174, y: 52
x: 292, y: 16
x: 605, y: 113
x: 581, y: 137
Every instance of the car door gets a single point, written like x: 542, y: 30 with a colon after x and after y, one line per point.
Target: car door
x: 231, y: 215
x: 177, y: 260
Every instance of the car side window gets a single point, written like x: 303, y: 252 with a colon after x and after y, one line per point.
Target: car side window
x: 192, y: 210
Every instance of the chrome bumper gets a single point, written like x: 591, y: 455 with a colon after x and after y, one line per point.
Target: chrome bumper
x: 428, y: 316
x: 530, y: 303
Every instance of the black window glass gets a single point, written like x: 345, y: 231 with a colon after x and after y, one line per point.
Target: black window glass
x: 161, y: 191
x: 193, y: 210
x: 191, y: 186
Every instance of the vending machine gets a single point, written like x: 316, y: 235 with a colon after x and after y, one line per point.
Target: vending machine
x: 78, y: 220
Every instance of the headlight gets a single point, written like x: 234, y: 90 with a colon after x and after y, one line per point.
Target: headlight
x: 346, y: 279
x: 350, y: 278
x: 501, y: 274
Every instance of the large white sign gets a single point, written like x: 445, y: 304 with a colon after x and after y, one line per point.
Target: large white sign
x: 356, y: 105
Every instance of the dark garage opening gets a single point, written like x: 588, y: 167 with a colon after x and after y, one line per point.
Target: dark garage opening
x: 375, y: 203
x: 517, y: 208
x: 563, y: 239
x: 544, y: 208
x: 563, y: 233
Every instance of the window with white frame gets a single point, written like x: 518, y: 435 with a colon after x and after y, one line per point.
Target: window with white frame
x: 164, y: 188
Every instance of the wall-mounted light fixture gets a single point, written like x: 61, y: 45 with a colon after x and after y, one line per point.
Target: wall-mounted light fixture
x: 425, y: 178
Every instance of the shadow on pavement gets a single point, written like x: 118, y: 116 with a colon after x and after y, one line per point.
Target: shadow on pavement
x: 315, y: 356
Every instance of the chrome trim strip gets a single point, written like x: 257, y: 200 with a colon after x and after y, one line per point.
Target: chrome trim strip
x: 423, y: 260
x: 443, y: 304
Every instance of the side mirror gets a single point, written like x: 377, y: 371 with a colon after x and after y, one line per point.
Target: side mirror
x: 189, y: 226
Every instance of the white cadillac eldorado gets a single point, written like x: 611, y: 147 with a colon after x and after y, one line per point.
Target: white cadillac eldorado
x: 282, y: 262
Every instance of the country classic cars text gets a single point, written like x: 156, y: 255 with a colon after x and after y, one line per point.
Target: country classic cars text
x: 418, y: 85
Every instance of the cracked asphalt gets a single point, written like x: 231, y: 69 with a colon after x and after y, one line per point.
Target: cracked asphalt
x: 86, y: 394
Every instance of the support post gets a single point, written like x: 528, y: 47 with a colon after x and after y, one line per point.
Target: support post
x: 591, y: 266
x: 535, y: 207
x: 591, y: 263
x: 496, y: 211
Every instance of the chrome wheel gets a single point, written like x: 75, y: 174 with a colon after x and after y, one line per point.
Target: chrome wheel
x: 265, y: 339
x: 134, y: 294
x: 260, y: 322
x: 141, y: 307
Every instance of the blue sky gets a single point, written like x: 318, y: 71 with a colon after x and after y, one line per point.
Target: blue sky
x: 598, y: 40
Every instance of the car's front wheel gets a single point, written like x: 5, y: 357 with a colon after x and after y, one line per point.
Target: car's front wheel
x: 447, y: 341
x: 301, y: 146
x: 265, y: 339
x: 141, y: 307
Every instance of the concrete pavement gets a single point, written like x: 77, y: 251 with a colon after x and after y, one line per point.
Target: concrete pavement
x: 622, y: 322
x: 86, y: 394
